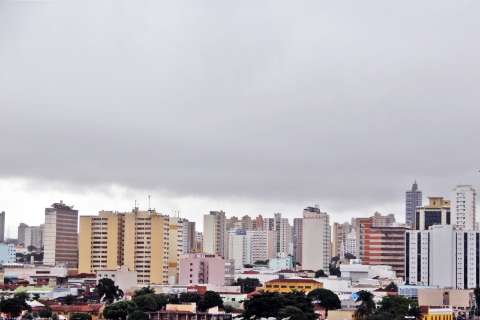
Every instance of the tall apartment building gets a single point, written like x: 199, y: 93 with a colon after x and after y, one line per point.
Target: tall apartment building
x: 177, y: 246
x: 297, y: 235
x: 189, y: 237
x: 339, y: 238
x: 259, y: 222
x: 261, y: 245
x: 380, y: 244
x: 463, y: 207
x: 33, y: 237
x: 413, y: 199
x: 61, y: 235
x: 21, y: 232
x: 246, y: 223
x: 2, y: 226
x: 316, y: 239
x: 138, y: 240
x: 201, y: 268
x: 237, y: 248
x: 436, y: 212
x: 215, y: 233
x: 283, y: 231
x: 443, y: 257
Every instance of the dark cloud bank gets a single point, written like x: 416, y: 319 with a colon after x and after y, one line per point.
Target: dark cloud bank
x: 263, y: 99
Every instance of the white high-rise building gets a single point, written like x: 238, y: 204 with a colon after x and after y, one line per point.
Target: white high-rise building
x: 463, y: 207
x: 283, y: 231
x: 237, y: 248
x: 443, y: 257
x: 260, y: 245
x: 215, y: 239
x: 316, y: 239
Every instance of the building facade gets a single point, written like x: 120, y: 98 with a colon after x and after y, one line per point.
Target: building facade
x: 297, y: 234
x: 413, y: 199
x: 464, y: 208
x: 138, y: 240
x: 436, y: 212
x: 215, y: 233
x: 443, y: 256
x: 340, y: 232
x: 316, y: 239
x: 260, y: 245
x: 2, y: 226
x: 381, y: 244
x: 201, y: 268
x: 61, y: 235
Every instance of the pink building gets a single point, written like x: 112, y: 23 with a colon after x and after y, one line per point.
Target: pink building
x: 201, y: 268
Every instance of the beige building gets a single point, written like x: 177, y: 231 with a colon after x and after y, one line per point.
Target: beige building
x: 458, y: 299
x: 60, y: 236
x: 340, y: 232
x: 436, y: 212
x: 138, y: 240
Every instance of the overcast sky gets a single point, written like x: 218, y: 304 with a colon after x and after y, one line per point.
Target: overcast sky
x: 247, y: 106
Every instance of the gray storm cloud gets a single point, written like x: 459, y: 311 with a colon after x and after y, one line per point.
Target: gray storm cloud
x: 269, y: 100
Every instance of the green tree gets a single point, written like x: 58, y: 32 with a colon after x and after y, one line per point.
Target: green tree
x: 144, y: 290
x: 325, y: 298
x: 209, y: 300
x: 396, y: 308
x: 14, y: 306
x: 247, y: 285
x: 476, y: 293
x: 45, y: 312
x: 391, y: 287
x: 80, y: 316
x: 146, y: 302
x: 269, y: 304
x: 107, y: 291
x: 292, y: 313
x: 119, y: 310
x: 320, y: 274
x: 69, y: 299
x: 366, y: 307
x: 189, y: 297
x: 138, y: 315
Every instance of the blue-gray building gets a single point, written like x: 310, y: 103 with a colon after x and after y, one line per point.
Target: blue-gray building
x: 413, y: 199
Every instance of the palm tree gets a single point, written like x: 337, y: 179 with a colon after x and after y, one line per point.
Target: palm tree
x: 366, y: 306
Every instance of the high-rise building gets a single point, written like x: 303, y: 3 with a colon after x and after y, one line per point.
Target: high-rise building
x: 350, y: 245
x: 246, y: 223
x: 283, y: 231
x: 463, y: 207
x: 215, y: 233
x: 260, y: 245
x: 190, y: 237
x: 237, y: 248
x: 138, y: 240
x: 176, y: 246
x: 443, y: 257
x: 437, y: 212
x: 297, y: 239
x: 339, y: 237
x: 201, y: 268
x: 21, y: 232
x: 61, y: 235
x: 198, y: 242
x: 413, y: 199
x: 2, y: 226
x: 259, y: 222
x: 316, y: 239
x: 33, y: 237
x: 380, y: 244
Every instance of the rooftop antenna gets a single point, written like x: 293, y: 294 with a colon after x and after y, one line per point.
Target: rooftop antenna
x: 135, y: 207
x: 149, y: 208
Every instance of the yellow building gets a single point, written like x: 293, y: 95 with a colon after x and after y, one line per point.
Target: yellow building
x: 289, y: 285
x: 439, y: 314
x: 175, y: 251
x: 137, y: 239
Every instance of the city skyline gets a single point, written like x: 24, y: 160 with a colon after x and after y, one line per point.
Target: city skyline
x: 328, y: 107
x: 291, y: 212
